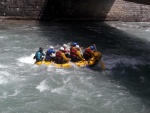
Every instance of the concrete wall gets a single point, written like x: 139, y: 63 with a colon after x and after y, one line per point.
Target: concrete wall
x: 123, y: 10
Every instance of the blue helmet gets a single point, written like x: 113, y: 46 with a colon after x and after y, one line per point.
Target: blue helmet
x: 74, y: 44
x: 92, y: 47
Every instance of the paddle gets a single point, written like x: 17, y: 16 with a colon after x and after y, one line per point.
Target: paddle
x: 81, y: 51
x: 102, y: 64
x: 82, y: 56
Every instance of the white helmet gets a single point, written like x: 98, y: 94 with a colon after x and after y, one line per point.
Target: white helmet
x: 64, y: 45
x: 51, y: 47
x: 77, y: 46
x: 61, y: 48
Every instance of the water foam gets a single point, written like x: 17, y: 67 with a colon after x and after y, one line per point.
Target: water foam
x: 3, y: 37
x: 28, y: 59
x: 3, y: 80
x: 5, y: 77
x: 112, y: 61
x: 3, y: 66
x: 42, y: 87
x: 147, y: 30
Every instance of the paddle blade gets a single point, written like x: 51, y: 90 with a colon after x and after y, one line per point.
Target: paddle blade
x: 102, y: 65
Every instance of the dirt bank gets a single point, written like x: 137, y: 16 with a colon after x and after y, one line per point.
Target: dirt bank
x: 6, y: 24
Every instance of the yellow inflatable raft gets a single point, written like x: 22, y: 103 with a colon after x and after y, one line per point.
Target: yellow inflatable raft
x: 91, y: 62
x: 47, y: 63
x: 94, y: 60
x: 39, y: 63
x: 65, y: 65
x: 81, y: 63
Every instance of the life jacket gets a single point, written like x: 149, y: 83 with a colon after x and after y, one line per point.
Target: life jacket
x: 65, y: 51
x: 73, y: 52
x: 88, y: 52
x: 58, y: 55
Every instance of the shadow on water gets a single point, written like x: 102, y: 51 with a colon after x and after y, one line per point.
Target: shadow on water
x: 107, y: 39
x: 110, y: 41
x: 146, y: 2
x: 75, y: 9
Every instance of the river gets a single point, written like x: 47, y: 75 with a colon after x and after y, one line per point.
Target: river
x: 123, y: 87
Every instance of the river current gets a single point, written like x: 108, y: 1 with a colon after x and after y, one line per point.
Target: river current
x: 124, y: 87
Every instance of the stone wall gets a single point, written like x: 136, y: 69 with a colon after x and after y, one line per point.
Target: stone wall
x: 116, y: 12
x: 20, y: 9
x: 136, y: 11
x: 129, y: 11
x: 122, y: 10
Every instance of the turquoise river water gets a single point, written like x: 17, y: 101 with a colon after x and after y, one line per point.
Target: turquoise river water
x: 124, y: 87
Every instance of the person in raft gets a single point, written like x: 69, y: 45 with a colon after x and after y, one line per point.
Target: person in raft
x: 73, y: 51
x: 73, y: 46
x: 60, y: 57
x: 88, y: 53
x: 75, y: 54
x: 66, y: 51
x: 79, y: 54
x: 39, y: 55
x: 91, y: 53
x: 50, y: 54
